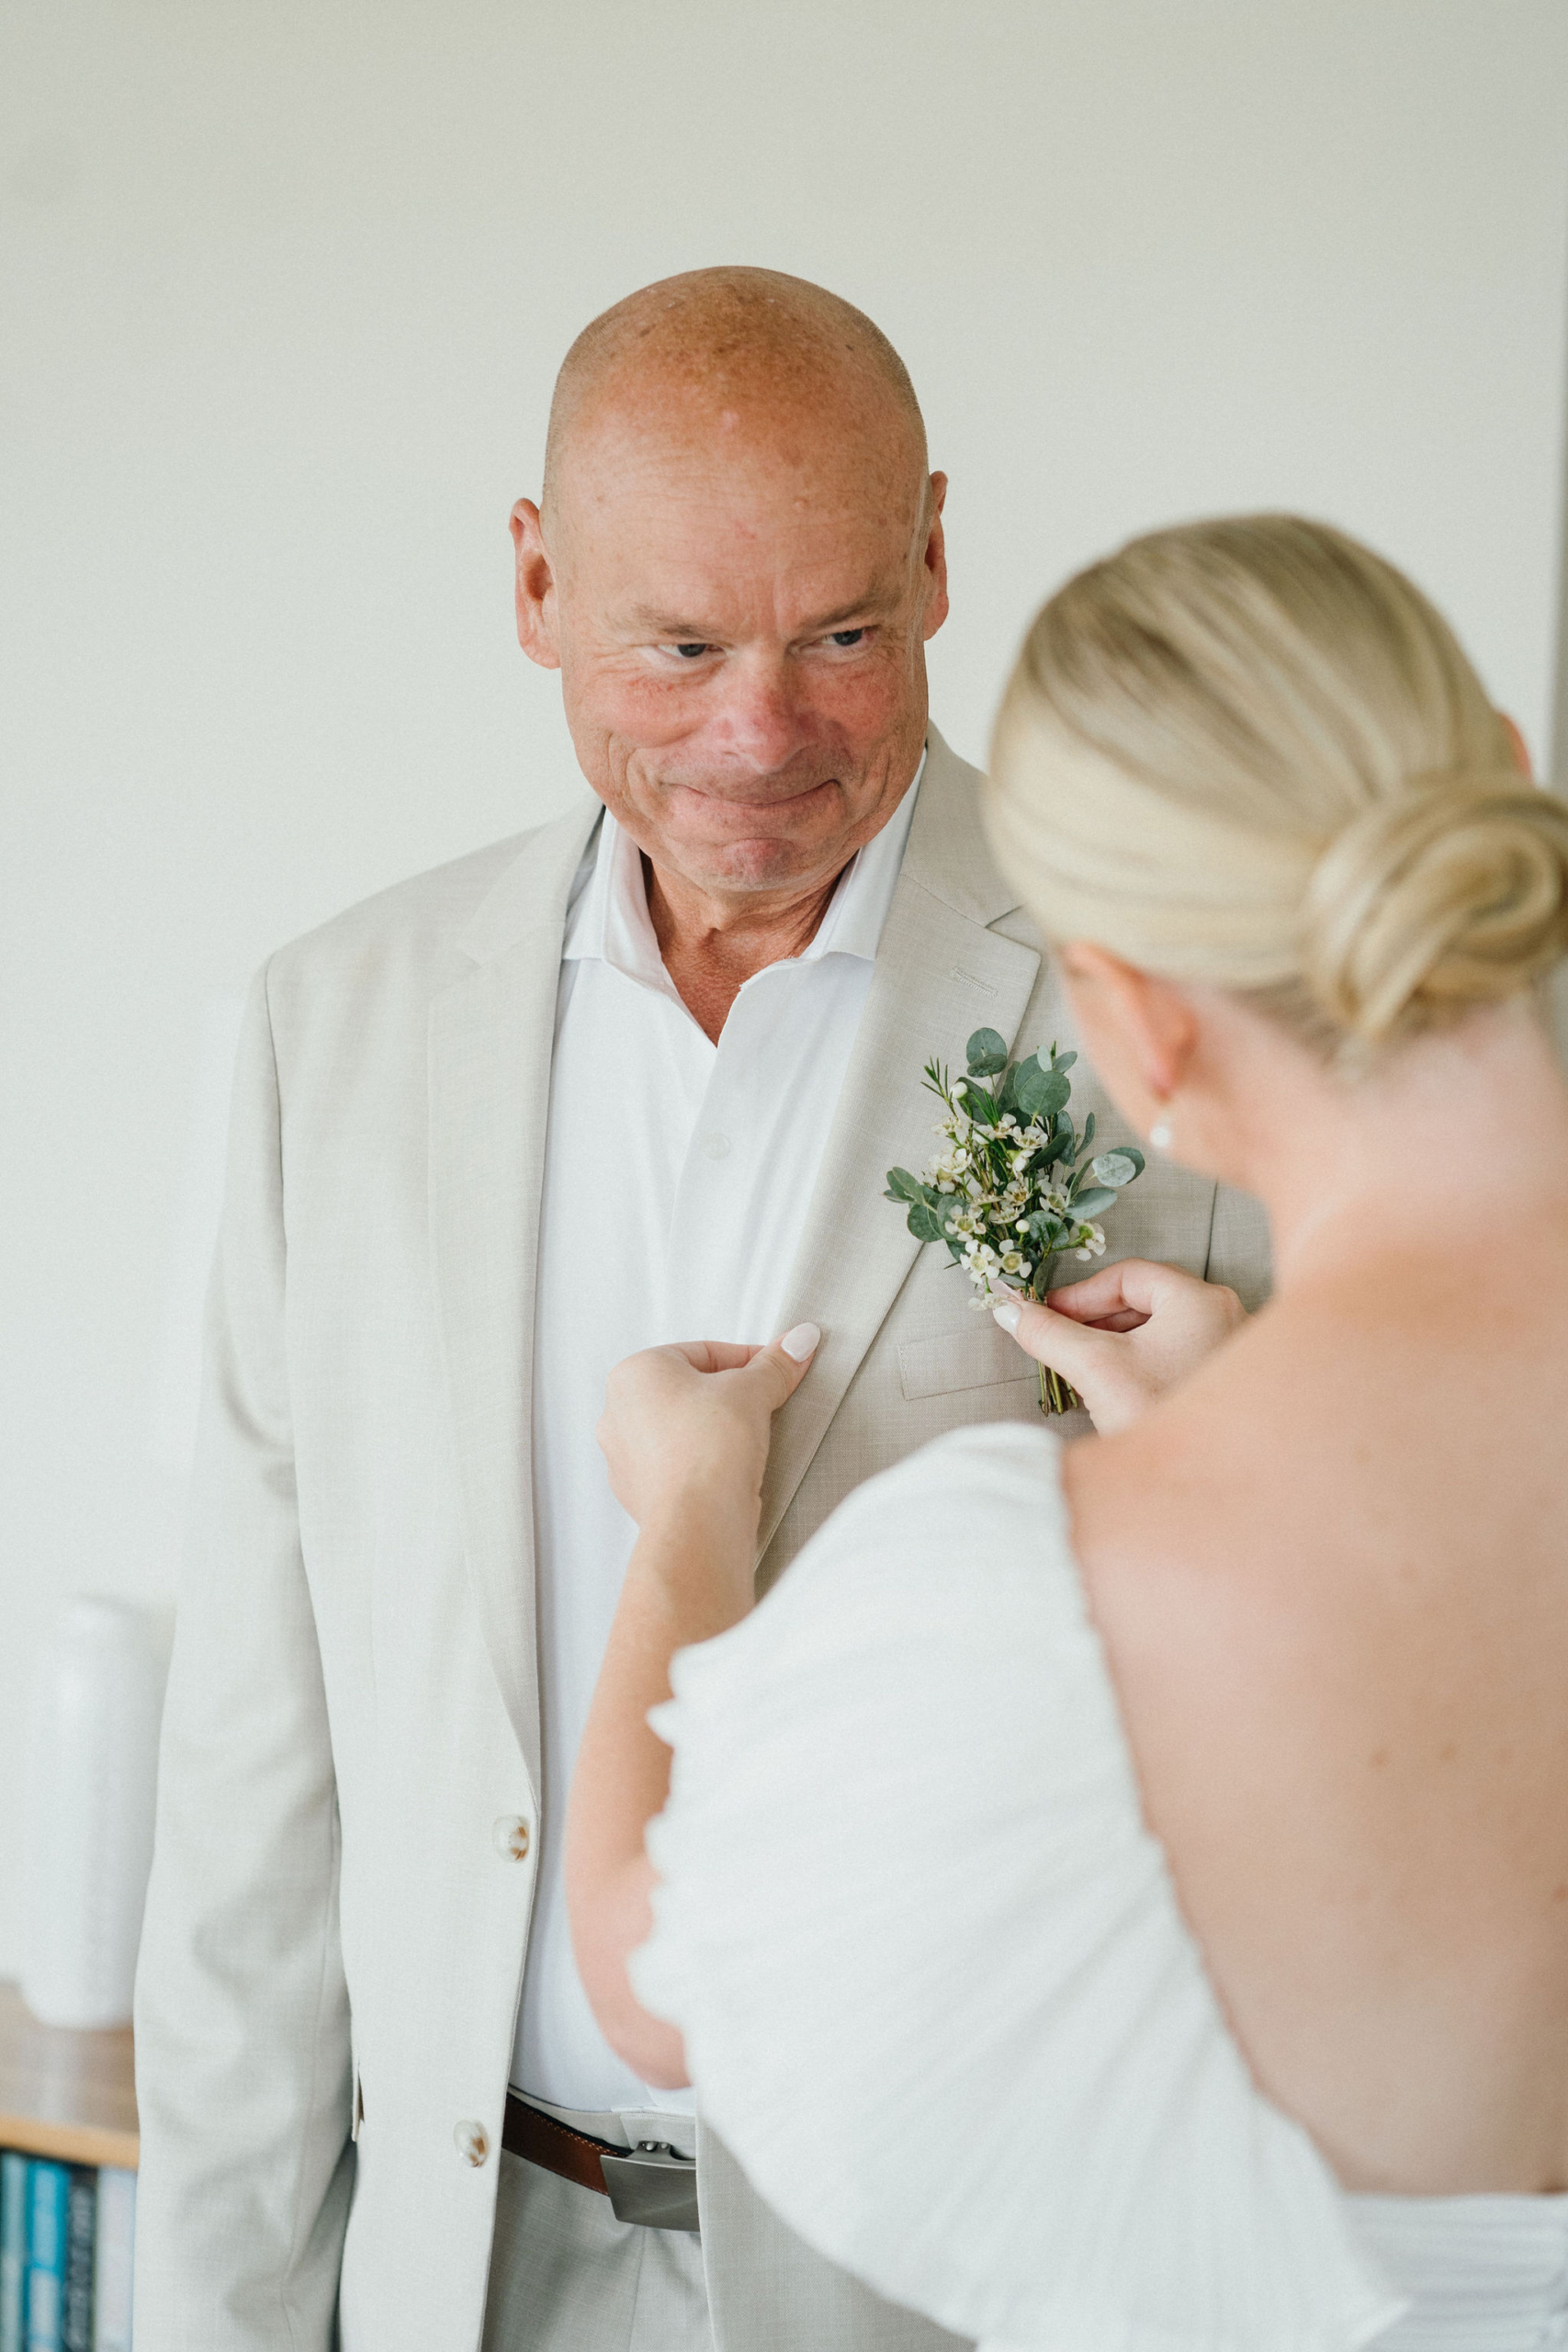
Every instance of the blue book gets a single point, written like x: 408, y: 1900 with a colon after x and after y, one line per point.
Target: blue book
x: 12, y: 2251
x: 49, y: 2231
x: 82, y: 2224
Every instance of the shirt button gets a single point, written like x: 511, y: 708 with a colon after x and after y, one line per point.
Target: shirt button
x: 715, y: 1146
x: 510, y: 1836
x: 472, y: 2142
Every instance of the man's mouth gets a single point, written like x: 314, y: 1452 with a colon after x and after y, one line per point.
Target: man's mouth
x: 749, y: 804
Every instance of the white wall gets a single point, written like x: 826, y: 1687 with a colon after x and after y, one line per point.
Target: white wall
x: 283, y: 286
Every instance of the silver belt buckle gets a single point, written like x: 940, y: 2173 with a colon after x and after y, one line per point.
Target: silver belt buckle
x: 653, y: 2186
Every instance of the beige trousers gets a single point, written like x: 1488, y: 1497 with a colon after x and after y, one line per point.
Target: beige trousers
x: 566, y: 2276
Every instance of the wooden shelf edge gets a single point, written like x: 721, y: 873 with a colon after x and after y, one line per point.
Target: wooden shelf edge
x: 69, y: 2144
x: 66, y: 2094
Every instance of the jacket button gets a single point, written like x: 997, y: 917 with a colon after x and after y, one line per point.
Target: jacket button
x: 472, y: 2142
x: 510, y: 1836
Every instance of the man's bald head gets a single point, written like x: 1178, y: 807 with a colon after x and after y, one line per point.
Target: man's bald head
x: 751, y: 346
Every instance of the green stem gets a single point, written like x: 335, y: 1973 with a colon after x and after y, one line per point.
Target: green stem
x: 1056, y: 1394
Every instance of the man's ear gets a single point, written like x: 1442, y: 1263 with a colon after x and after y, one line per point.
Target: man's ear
x: 536, y: 588
x: 935, y: 561
x: 1157, y: 1024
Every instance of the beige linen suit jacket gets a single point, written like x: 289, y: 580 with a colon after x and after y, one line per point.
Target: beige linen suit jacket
x: 338, y: 1916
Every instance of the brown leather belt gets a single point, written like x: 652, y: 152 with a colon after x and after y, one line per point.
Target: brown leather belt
x: 648, y: 2184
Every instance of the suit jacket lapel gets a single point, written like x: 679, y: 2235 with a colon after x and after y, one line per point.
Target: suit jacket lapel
x: 492, y: 1033
x: 940, y: 974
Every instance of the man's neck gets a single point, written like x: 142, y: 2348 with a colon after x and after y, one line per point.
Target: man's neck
x: 711, y: 947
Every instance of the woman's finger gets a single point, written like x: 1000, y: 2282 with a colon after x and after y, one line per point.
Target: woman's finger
x: 1099, y: 1294
x: 778, y: 1371
x: 1055, y: 1341
x: 1131, y: 1286
x: 714, y: 1355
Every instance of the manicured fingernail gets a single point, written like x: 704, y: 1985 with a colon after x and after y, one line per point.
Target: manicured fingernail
x: 1007, y: 1313
x: 801, y: 1343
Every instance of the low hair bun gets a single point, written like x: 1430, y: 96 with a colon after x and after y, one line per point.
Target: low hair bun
x: 1450, y: 892
x: 1249, y: 753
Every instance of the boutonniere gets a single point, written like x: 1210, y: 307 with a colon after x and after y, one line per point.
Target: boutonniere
x: 1012, y: 1187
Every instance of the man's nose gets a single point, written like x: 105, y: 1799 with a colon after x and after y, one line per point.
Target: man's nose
x: 760, y: 719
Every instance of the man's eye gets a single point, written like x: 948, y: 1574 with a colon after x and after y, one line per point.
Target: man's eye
x: 690, y: 652
x: 846, y: 637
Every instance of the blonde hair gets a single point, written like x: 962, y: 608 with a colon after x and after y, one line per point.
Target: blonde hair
x: 1250, y: 754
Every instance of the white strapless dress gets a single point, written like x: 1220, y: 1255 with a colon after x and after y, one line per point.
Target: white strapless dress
x: 908, y: 1885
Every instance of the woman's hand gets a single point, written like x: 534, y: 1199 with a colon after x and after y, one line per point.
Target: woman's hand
x: 695, y: 1420
x: 685, y: 1433
x: 1126, y: 1335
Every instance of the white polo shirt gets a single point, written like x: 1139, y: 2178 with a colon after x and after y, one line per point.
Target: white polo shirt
x: 677, y: 1178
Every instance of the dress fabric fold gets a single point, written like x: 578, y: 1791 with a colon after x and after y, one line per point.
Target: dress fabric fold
x: 1481, y: 2273
x: 907, y: 1884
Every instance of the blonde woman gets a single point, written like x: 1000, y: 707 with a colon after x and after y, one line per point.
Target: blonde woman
x: 1116, y: 1897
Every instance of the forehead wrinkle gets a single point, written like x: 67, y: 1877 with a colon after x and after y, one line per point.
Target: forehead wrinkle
x: 641, y: 493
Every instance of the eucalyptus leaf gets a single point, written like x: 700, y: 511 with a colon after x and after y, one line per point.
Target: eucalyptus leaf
x: 986, y: 1053
x: 1095, y: 1201
x: 1088, y: 1134
x: 1042, y: 1091
x: 902, y: 1186
x: 1115, y: 1167
x: 1062, y: 1061
x: 924, y: 1223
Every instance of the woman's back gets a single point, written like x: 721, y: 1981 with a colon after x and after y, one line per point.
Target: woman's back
x: 1332, y: 1576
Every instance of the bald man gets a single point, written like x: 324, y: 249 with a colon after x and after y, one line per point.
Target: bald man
x: 637, y: 1075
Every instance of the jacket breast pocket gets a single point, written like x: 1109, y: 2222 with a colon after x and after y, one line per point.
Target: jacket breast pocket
x: 981, y: 1357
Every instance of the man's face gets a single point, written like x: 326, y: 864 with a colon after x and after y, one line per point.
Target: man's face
x: 739, y: 617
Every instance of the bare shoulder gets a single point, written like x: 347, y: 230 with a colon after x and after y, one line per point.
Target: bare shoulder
x: 1307, y: 1553
x: 1403, y: 1411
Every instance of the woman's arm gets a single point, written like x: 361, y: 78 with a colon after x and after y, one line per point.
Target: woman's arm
x: 685, y: 1432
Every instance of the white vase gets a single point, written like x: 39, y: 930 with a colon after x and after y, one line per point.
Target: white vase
x: 91, y: 1783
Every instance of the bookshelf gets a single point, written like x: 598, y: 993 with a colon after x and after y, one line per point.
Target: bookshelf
x: 65, y: 2095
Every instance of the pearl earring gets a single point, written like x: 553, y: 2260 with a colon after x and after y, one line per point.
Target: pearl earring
x: 1160, y: 1135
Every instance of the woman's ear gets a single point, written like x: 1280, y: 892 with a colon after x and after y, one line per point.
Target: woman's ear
x: 1137, y: 1026
x: 1521, y: 748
